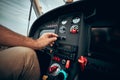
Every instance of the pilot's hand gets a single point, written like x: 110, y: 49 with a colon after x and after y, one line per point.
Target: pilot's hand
x: 46, y: 39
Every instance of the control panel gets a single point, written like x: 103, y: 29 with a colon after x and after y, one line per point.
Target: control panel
x: 65, y: 61
x: 65, y: 50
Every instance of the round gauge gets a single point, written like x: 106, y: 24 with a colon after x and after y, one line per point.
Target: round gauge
x: 62, y: 29
x: 64, y: 22
x: 74, y: 29
x: 76, y: 20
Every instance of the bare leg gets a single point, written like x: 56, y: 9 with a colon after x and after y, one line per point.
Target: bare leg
x: 19, y: 63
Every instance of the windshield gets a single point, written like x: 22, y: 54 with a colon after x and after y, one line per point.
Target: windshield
x: 14, y: 15
x: 48, y: 5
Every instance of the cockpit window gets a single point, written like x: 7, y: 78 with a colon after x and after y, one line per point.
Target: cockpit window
x: 48, y: 5
x: 14, y: 14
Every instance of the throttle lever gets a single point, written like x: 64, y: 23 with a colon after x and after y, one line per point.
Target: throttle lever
x: 82, y: 61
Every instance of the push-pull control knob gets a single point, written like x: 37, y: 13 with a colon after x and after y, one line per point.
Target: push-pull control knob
x: 60, y: 76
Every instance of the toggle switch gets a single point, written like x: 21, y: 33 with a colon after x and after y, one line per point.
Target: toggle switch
x: 67, y: 64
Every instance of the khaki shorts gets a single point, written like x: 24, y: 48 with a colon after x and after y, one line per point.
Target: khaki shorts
x: 19, y: 63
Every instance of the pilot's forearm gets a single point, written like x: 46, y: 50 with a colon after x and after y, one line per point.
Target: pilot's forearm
x: 10, y: 38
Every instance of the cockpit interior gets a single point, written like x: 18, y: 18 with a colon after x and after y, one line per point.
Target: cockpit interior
x: 88, y: 44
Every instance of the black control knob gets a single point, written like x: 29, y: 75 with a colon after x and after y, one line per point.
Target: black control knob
x: 60, y: 76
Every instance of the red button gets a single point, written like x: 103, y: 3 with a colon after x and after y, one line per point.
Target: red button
x: 56, y: 59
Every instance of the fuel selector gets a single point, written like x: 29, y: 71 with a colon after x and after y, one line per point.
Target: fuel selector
x: 56, y: 71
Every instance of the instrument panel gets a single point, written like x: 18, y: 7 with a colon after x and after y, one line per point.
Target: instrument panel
x: 65, y: 50
x: 71, y: 54
x: 64, y: 53
x: 67, y: 27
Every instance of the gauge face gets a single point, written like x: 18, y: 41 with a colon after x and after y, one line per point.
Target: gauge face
x: 64, y: 22
x: 62, y: 29
x: 74, y: 29
x: 76, y: 20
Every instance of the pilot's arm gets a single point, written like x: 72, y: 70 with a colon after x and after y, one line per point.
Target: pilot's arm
x: 10, y: 38
x: 21, y: 59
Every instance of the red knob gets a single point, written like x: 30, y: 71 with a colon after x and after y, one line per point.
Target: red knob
x: 73, y: 31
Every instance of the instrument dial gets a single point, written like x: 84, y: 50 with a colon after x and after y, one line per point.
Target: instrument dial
x: 76, y: 20
x: 74, y: 29
x: 62, y: 29
x: 64, y: 22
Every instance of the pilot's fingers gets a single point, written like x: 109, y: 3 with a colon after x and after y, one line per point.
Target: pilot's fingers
x: 54, y: 35
x: 51, y: 44
x: 50, y: 34
x: 52, y: 39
